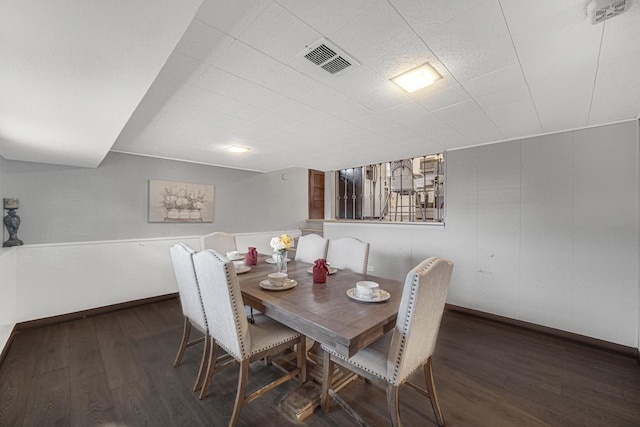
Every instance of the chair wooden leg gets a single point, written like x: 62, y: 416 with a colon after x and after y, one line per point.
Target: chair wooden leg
x: 183, y: 344
x: 203, y: 363
x: 243, y: 380
x: 431, y: 388
x: 392, y: 403
x: 211, y: 367
x: 302, y: 360
x: 327, y: 380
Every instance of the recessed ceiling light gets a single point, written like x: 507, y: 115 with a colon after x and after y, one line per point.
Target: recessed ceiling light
x: 417, y: 78
x: 238, y: 149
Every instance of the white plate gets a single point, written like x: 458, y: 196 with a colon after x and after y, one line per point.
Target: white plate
x: 332, y: 270
x: 243, y: 269
x: 380, y: 295
x: 237, y: 258
x: 265, y: 284
x: 271, y: 261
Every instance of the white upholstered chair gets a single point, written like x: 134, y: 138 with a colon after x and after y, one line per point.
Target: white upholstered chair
x: 390, y: 361
x: 189, y: 291
x: 348, y: 253
x: 229, y: 329
x: 219, y: 241
x: 311, y: 247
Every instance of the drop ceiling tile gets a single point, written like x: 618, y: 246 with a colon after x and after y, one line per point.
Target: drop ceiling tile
x: 563, y: 100
x: 468, y: 119
x: 279, y: 34
x: 415, y: 117
x: 530, y: 20
x: 274, y: 120
x: 183, y: 68
x: 246, y: 62
x: 621, y: 34
x: 261, y: 97
x: 330, y: 101
x: 617, y: 93
x: 296, y: 110
x: 495, y: 81
x: 434, y: 12
x: 517, y: 119
x: 369, y: 89
x: 473, y: 42
x: 509, y: 95
x: 332, y: 124
x: 223, y: 83
x: 244, y: 111
x: 547, y: 54
x: 288, y: 81
x: 450, y: 95
x: 231, y: 18
x: 203, y: 42
x: 327, y: 16
x: 196, y: 96
x: 389, y: 52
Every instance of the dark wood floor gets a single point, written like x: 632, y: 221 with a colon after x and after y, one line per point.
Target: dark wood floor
x: 116, y: 370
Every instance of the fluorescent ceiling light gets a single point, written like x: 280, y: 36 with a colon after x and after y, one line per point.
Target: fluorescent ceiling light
x: 238, y: 149
x: 417, y: 78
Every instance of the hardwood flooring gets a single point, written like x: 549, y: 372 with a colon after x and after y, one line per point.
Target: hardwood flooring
x: 116, y: 369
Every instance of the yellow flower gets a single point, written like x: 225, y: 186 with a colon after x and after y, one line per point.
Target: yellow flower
x: 286, y: 239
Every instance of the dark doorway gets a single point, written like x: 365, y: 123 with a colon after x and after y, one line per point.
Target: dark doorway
x: 316, y: 194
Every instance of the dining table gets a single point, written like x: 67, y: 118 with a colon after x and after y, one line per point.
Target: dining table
x: 323, y: 312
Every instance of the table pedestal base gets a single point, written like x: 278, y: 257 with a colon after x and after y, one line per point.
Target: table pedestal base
x: 303, y: 401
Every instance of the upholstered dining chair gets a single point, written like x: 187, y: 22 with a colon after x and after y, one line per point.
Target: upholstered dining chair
x: 229, y: 329
x: 219, y: 241
x: 390, y: 360
x: 311, y: 247
x: 189, y: 292
x: 348, y: 253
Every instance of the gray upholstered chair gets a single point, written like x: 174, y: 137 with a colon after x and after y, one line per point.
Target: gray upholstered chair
x: 219, y: 241
x: 229, y: 329
x: 189, y: 291
x: 311, y: 247
x: 348, y: 253
x: 390, y: 361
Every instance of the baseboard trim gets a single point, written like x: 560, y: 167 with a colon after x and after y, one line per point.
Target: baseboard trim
x: 5, y: 349
x: 594, y: 342
x: 46, y: 321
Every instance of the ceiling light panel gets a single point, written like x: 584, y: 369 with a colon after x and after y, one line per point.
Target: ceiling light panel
x: 417, y: 78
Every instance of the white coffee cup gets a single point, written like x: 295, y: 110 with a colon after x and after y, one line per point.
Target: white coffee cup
x: 238, y: 264
x: 232, y: 255
x: 277, y: 279
x: 366, y: 289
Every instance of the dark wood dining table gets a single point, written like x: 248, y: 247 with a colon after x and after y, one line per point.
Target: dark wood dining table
x: 323, y: 311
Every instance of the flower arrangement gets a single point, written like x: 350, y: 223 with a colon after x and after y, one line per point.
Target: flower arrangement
x: 282, y: 243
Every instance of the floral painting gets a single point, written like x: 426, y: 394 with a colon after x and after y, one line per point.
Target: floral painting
x: 180, y: 202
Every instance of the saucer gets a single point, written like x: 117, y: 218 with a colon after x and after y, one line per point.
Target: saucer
x: 237, y: 258
x: 380, y: 295
x: 271, y: 261
x: 243, y: 269
x: 290, y: 283
x: 332, y: 270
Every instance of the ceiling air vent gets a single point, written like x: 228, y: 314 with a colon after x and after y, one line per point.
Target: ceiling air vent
x: 601, y: 10
x: 328, y: 57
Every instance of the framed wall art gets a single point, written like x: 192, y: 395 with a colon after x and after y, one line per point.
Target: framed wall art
x: 171, y: 201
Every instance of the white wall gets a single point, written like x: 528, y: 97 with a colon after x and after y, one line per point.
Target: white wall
x: 8, y: 288
x: 543, y: 230
x: 57, y: 279
x: 67, y: 204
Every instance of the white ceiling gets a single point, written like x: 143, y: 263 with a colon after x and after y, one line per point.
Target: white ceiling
x: 512, y: 68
